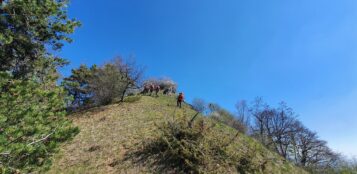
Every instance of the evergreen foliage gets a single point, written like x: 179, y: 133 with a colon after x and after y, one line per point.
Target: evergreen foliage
x: 29, y: 30
x: 77, y: 86
x: 32, y: 123
x: 32, y: 107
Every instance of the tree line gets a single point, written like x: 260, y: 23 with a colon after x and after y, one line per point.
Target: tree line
x: 279, y: 130
x: 101, y: 85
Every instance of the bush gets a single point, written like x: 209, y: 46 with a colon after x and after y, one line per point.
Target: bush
x: 221, y: 115
x: 187, y: 145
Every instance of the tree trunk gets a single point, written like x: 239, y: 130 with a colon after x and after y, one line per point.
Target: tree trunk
x: 124, y: 91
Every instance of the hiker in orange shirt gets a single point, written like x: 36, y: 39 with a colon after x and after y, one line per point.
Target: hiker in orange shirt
x: 180, y: 99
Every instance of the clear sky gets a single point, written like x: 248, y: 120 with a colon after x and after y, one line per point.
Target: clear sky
x: 303, y: 52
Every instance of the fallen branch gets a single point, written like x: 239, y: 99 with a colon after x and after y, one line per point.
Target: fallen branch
x: 193, y: 118
x: 5, y: 153
x: 42, y: 139
x: 232, y: 140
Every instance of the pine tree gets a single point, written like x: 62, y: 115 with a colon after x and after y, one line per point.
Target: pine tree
x: 77, y: 86
x: 33, y: 120
x: 32, y: 123
x: 29, y: 31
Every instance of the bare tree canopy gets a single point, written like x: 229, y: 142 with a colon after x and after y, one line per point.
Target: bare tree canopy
x: 199, y: 105
x: 279, y: 130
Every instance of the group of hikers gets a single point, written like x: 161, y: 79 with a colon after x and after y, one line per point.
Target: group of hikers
x: 154, y: 88
x: 150, y: 88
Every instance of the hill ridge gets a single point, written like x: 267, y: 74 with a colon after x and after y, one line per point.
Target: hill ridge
x: 109, y: 133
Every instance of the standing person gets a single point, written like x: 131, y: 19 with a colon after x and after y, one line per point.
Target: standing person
x: 146, y: 89
x: 157, y: 90
x: 152, y: 88
x: 180, y: 99
x: 166, y: 91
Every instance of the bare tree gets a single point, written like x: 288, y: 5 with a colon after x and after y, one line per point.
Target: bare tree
x: 309, y: 151
x: 131, y: 74
x: 280, y: 128
x: 274, y: 127
x: 199, y: 105
x: 243, y: 113
x: 260, y: 111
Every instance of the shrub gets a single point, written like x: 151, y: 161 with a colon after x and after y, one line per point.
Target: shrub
x: 221, y: 115
x: 189, y: 145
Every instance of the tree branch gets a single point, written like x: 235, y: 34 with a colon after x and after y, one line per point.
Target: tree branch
x: 42, y: 139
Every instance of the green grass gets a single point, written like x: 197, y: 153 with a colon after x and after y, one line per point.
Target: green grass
x: 108, y: 134
x: 132, y: 99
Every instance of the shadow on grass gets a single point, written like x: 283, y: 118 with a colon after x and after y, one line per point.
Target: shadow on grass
x: 90, y: 110
x: 151, y: 156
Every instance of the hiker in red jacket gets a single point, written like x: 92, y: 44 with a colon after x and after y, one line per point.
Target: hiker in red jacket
x: 180, y: 99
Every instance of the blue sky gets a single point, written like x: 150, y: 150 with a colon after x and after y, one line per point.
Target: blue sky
x: 302, y: 52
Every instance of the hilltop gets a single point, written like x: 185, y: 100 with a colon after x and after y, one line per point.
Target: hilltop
x: 109, y: 135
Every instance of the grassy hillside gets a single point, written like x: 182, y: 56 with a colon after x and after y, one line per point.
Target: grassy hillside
x: 111, y: 134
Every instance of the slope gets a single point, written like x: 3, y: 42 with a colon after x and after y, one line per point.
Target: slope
x: 108, y: 134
